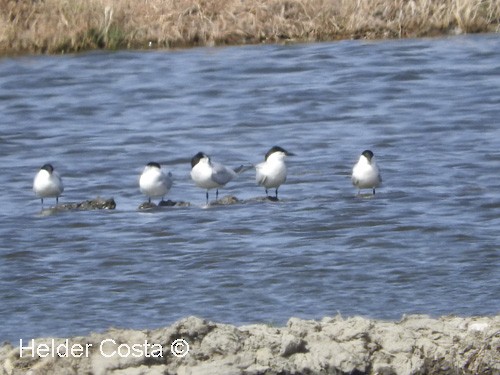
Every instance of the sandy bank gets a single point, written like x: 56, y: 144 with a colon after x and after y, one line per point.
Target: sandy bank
x: 415, y: 345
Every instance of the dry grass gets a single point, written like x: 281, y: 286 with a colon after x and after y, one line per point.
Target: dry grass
x: 58, y: 26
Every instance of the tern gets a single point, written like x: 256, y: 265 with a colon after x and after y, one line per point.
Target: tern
x: 272, y: 172
x: 365, y: 173
x: 208, y: 175
x: 154, y: 183
x: 48, y: 183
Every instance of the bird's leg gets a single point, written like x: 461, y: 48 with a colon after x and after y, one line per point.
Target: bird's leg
x: 373, y: 191
x: 57, y: 200
x: 149, y: 200
x: 216, y: 195
x: 266, y: 193
x: 207, y: 197
x: 276, y: 193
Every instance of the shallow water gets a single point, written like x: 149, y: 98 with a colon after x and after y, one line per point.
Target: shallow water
x: 427, y: 242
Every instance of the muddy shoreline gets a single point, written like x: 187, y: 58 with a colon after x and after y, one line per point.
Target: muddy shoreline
x: 417, y: 344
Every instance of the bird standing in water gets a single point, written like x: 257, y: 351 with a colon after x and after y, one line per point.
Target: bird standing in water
x: 365, y: 173
x: 271, y: 173
x: 154, y: 183
x: 208, y: 175
x: 48, y: 183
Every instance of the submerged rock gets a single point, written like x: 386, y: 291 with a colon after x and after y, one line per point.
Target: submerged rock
x: 91, y: 204
x: 226, y: 200
x: 168, y: 203
x: 417, y: 344
x: 231, y: 199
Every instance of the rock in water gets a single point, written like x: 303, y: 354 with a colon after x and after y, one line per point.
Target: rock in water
x: 88, y: 205
x: 161, y: 204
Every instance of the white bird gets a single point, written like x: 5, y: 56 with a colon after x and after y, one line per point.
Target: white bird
x: 48, y: 183
x: 365, y: 173
x: 272, y: 172
x: 154, y: 183
x: 211, y: 175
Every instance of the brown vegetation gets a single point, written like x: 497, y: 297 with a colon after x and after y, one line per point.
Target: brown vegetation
x: 58, y: 26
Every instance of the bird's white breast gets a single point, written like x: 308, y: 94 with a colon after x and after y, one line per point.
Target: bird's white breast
x: 271, y: 173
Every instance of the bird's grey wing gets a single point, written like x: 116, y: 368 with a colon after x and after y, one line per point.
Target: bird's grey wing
x: 221, y: 174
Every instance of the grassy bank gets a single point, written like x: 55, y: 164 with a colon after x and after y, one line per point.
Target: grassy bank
x: 59, y: 26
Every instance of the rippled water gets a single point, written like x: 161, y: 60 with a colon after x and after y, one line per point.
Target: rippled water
x: 426, y: 243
